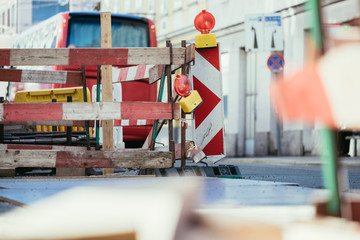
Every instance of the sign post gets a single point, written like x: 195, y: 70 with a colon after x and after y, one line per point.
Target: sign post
x: 276, y: 64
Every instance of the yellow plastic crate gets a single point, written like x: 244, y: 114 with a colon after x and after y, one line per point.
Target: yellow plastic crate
x: 60, y: 94
x: 46, y: 95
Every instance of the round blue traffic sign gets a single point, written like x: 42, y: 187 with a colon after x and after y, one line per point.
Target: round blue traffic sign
x: 276, y: 63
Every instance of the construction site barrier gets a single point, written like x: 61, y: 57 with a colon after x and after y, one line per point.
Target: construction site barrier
x: 76, y: 112
x: 209, y: 117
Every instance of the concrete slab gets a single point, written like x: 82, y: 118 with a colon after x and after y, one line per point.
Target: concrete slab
x: 214, y: 193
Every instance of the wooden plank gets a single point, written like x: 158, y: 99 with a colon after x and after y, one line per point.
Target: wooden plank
x: 90, y: 56
x: 83, y: 159
x: 15, y: 112
x: 39, y: 76
x: 155, y: 72
x: 107, y: 92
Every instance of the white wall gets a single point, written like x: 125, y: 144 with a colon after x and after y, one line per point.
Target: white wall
x: 229, y: 15
x: 229, y: 27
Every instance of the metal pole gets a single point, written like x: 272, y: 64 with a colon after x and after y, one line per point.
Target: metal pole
x: 69, y: 128
x: 184, y: 71
x: 54, y: 128
x: 329, y: 157
x: 170, y: 100
x: 97, y: 122
x: 85, y: 100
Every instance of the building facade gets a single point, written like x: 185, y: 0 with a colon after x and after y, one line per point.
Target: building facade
x: 18, y: 15
x: 251, y: 127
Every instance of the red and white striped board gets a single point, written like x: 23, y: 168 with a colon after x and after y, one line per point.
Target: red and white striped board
x: 140, y: 72
x: 86, y: 111
x: 40, y: 76
x: 326, y: 91
x: 11, y: 158
x: 209, y: 116
x: 91, y: 56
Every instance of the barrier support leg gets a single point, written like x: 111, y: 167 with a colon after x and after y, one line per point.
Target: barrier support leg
x: 69, y: 171
x: 54, y: 128
x: 97, y: 122
x: 170, y: 100
x: 69, y: 128
x: 5, y: 172
x: 183, y: 117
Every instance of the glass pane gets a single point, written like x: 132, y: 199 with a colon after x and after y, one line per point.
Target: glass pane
x: 85, y: 32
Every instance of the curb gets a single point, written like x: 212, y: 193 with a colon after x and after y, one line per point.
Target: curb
x: 297, y: 161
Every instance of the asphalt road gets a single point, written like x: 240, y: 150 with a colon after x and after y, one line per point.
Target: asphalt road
x: 305, y: 176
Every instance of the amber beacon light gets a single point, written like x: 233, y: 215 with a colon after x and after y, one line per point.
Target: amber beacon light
x: 204, y: 22
x: 190, y: 99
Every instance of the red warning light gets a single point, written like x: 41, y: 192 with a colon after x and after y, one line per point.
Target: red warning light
x: 204, y: 22
x: 182, y: 85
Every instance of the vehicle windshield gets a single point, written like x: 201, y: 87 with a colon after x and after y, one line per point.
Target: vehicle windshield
x: 85, y: 32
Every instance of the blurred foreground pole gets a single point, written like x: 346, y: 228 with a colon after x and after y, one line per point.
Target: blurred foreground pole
x: 329, y: 149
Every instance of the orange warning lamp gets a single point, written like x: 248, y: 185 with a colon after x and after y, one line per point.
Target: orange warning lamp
x: 190, y: 99
x: 182, y: 85
x: 204, y: 22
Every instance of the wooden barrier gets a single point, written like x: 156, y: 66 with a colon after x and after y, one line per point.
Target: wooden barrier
x: 76, y: 113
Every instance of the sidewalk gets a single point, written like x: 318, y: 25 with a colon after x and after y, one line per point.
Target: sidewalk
x: 289, y: 160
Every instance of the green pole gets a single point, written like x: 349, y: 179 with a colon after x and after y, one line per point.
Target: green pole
x: 97, y: 139
x: 161, y: 90
x: 328, y: 154
x: 329, y: 171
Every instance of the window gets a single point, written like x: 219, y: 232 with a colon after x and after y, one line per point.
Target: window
x: 86, y: 32
x: 225, y: 61
x: 191, y: 2
x: 177, y: 4
x: 164, y: 6
x: 151, y: 9
x: 151, y: 6
x: 13, y: 15
x: 127, y: 6
x: 8, y: 18
x: 138, y: 6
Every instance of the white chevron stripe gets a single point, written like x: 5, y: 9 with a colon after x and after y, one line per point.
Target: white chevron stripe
x: 207, y: 74
x: 209, y: 127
